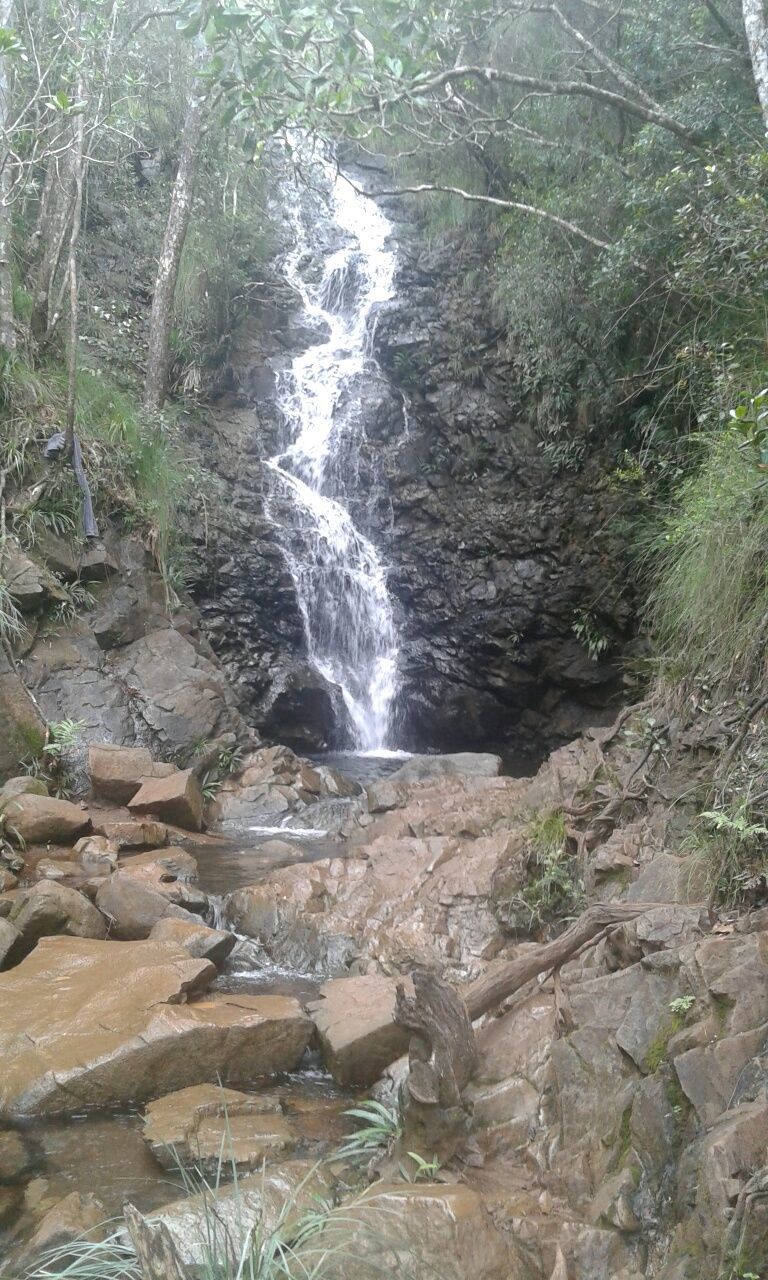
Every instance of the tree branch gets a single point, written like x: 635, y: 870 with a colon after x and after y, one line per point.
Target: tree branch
x: 475, y: 198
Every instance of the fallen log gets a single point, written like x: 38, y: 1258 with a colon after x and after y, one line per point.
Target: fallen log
x: 492, y: 989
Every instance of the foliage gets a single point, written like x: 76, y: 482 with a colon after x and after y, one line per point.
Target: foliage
x: 228, y: 761
x: 380, y: 1129
x: 732, y: 844
x: 52, y: 764
x: 709, y: 603
x: 553, y: 889
x: 587, y: 629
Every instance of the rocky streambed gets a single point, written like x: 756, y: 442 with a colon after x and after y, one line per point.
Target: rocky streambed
x: 154, y: 1017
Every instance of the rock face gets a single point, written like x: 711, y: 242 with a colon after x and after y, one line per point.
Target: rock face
x: 119, y: 1032
x: 354, y: 1020
x: 176, y: 798
x: 493, y: 545
x: 38, y: 819
x: 216, y: 1130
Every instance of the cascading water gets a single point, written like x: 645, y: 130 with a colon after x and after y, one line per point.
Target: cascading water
x: 339, y: 578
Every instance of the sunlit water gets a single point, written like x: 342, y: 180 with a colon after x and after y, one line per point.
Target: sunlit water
x: 338, y: 575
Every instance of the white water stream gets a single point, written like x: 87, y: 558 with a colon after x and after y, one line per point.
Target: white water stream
x: 338, y: 575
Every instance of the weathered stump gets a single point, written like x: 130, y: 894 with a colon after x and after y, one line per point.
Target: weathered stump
x: 442, y: 1056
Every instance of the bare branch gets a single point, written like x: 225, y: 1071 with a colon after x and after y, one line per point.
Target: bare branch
x: 474, y: 198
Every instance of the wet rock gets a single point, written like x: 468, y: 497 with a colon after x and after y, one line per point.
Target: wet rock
x: 305, y: 710
x: 197, y: 939
x: 177, y: 799
x: 131, y: 833
x: 159, y: 868
x: 48, y: 909
x: 120, y: 1029
x: 354, y: 1020
x: 116, y: 773
x: 216, y: 1130
x: 39, y: 819
x: 20, y: 787
x: 463, y: 764
x: 133, y: 908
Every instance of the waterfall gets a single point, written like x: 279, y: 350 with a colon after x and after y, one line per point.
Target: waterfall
x: 338, y: 575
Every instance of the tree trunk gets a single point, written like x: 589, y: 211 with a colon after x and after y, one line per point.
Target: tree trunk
x: 756, y: 26
x: 158, y: 353
x: 74, y: 236
x: 51, y: 234
x: 7, y: 328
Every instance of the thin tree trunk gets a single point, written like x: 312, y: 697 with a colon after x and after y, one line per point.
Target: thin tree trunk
x: 756, y: 26
x: 158, y: 353
x: 74, y: 236
x: 50, y: 236
x: 7, y: 328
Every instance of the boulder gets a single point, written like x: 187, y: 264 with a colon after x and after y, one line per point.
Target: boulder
x: 383, y: 795
x: 55, y: 869
x: 120, y: 1029
x: 116, y: 773
x: 131, y: 833
x: 354, y: 1020
x: 216, y: 1130
x: 177, y: 799
x: 170, y: 865
x: 76, y: 1217
x: 48, y: 908
x: 462, y: 764
x: 7, y: 879
x: 133, y: 908
x: 22, y: 729
x: 39, y: 819
x: 20, y: 787
x: 30, y: 584
x: 11, y: 946
x: 197, y: 939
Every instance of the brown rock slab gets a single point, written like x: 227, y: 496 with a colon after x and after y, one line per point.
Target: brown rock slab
x: 216, y: 1130
x: 39, y: 819
x: 49, y: 908
x: 197, y: 939
x: 354, y: 1020
x: 116, y: 773
x: 119, y: 1029
x: 177, y: 799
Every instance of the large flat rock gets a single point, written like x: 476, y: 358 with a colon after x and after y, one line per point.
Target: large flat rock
x: 88, y: 1023
x: 216, y: 1130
